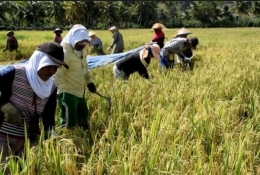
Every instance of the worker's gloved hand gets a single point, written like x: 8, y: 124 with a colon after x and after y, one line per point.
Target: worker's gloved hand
x: 11, y: 114
x: 92, y: 87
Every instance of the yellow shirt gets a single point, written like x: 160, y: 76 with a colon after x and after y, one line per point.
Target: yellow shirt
x: 74, y: 79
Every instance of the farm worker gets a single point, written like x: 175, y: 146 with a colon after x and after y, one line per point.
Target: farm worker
x: 158, y: 35
x: 71, y: 82
x: 28, y: 93
x: 117, y: 41
x: 176, y: 46
x: 182, y: 33
x: 96, y: 43
x: 58, y: 37
x: 136, y: 62
x: 11, y: 42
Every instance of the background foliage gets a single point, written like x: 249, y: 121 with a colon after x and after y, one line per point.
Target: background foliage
x: 127, y: 14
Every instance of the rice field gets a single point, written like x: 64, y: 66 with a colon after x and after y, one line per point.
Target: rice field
x: 205, y: 121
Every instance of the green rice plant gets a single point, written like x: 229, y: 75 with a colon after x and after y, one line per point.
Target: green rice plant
x: 204, y: 121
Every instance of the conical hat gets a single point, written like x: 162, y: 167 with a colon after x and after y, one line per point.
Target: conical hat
x: 112, y: 28
x: 159, y: 26
x: 91, y: 33
x: 183, y: 31
x: 10, y: 32
x: 58, y: 29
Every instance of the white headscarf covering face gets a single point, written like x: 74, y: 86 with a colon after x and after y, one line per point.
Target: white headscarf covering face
x: 37, y: 61
x: 76, y: 34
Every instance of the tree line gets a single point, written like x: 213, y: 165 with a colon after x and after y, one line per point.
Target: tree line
x: 128, y: 14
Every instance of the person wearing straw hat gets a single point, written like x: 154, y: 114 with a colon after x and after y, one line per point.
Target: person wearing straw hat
x: 11, y: 42
x: 28, y: 96
x: 58, y: 37
x: 117, y: 41
x: 96, y: 43
x: 183, y: 33
x: 136, y: 62
x: 158, y: 35
x: 176, y: 46
x: 72, y: 83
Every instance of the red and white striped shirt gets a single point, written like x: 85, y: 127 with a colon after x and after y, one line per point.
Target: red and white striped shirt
x: 22, y: 99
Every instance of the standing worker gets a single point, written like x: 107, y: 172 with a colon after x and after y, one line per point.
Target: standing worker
x: 71, y: 82
x: 58, y: 37
x: 158, y: 35
x: 117, y: 41
x: 11, y: 42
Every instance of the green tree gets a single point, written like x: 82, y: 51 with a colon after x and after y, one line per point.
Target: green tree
x: 74, y: 11
x: 207, y: 12
x: 125, y: 11
x: 34, y: 12
x: 56, y: 12
x: 109, y: 12
x: 145, y: 13
x: 240, y: 9
x: 256, y: 11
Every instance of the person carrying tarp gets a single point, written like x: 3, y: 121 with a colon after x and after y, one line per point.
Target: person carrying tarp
x: 136, y: 62
x: 71, y: 83
x: 176, y: 46
x: 96, y: 44
x: 117, y: 41
x: 28, y: 95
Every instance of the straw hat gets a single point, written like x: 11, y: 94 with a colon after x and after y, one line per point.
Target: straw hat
x: 183, y: 31
x: 91, y: 33
x: 57, y: 30
x: 10, y: 33
x: 155, y: 48
x: 159, y: 26
x: 113, y: 28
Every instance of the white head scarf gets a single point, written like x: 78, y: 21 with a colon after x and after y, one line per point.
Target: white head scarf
x: 37, y: 61
x: 77, y: 33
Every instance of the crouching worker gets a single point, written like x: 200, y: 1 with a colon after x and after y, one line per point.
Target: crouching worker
x: 72, y: 82
x: 136, y: 62
x: 28, y: 94
x: 96, y: 44
x: 176, y: 46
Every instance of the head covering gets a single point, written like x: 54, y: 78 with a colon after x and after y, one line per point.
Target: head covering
x: 155, y: 48
x: 91, y: 33
x: 54, y: 51
x: 77, y: 33
x: 156, y: 51
x: 75, y: 25
x: 57, y: 30
x: 194, y: 42
x: 113, y: 28
x: 158, y: 26
x: 183, y: 31
x: 10, y: 33
x: 37, y: 61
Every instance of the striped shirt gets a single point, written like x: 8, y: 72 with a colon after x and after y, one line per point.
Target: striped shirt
x: 22, y: 99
